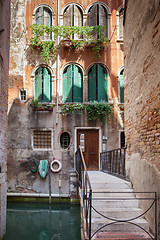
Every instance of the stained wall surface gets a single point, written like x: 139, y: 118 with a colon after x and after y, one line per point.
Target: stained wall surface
x: 142, y: 95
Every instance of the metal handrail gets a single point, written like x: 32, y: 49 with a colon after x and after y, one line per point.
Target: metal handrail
x: 86, y: 190
x: 113, y: 162
x: 87, y: 196
x: 153, y: 204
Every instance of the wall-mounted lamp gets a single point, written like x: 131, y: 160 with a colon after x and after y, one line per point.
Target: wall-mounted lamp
x: 105, y: 143
x: 105, y: 138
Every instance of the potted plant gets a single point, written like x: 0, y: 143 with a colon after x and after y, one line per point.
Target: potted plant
x: 36, y: 106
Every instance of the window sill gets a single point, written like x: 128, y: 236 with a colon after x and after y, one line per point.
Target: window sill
x: 42, y: 149
x: 120, y: 40
x: 42, y: 108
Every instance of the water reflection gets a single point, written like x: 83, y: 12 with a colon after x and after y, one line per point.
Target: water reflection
x: 43, y: 222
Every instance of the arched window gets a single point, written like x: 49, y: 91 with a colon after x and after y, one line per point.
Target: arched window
x: 43, y: 84
x: 97, y: 83
x: 72, y: 84
x: 120, y: 24
x: 121, y: 83
x: 73, y: 16
x: 97, y: 15
x: 44, y: 16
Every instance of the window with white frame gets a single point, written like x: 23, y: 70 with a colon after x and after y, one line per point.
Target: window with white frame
x: 43, y: 88
x: 65, y: 140
x: 120, y: 24
x: 73, y: 16
x: 97, y: 83
x: 42, y: 139
x: 43, y: 16
x: 97, y: 15
x: 72, y: 84
x: 23, y: 94
x: 121, y: 86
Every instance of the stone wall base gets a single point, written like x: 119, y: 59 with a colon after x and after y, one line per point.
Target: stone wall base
x: 3, y: 202
x: 145, y: 178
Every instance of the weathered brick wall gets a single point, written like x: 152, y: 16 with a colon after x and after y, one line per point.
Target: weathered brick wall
x: 142, y: 95
x: 4, y: 68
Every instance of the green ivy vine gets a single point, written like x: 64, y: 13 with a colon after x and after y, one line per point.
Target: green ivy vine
x: 89, y: 35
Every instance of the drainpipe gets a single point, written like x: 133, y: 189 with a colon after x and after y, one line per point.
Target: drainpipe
x: 57, y: 65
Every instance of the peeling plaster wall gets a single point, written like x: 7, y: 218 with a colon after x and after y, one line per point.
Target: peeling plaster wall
x: 142, y: 96
x: 17, y: 48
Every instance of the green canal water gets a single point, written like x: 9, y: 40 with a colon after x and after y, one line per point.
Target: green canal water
x: 39, y: 221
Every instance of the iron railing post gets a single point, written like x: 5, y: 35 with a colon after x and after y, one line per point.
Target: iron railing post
x: 113, y: 162
x: 90, y: 212
x: 155, y: 216
x: 85, y: 185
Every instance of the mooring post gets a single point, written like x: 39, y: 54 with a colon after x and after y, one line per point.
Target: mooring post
x: 49, y: 175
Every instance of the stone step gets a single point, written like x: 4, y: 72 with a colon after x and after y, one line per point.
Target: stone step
x: 109, y: 203
x: 113, y: 193
x: 118, y: 213
x: 119, y: 227
x: 115, y: 198
x: 112, y: 185
x: 98, y: 176
x: 121, y: 236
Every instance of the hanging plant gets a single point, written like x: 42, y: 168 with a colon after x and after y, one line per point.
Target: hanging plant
x: 48, y: 48
x: 99, y: 110
x: 94, y: 109
x: 69, y: 108
x: 36, y: 106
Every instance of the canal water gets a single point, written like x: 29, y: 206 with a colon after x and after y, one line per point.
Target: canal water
x: 40, y: 221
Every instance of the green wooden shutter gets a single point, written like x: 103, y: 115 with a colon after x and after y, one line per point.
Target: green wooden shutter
x: 78, y: 85
x: 92, y: 84
x: 102, y: 84
x: 122, y: 86
x: 46, y: 85
x: 67, y: 85
x: 38, y: 84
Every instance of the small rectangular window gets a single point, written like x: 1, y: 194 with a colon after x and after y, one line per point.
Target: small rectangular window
x: 23, y: 95
x: 42, y: 139
x: 122, y: 139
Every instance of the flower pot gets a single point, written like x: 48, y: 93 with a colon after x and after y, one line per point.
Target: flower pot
x: 66, y: 43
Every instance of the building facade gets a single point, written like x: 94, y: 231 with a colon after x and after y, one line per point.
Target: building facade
x: 142, y: 97
x: 70, y: 76
x: 4, y: 70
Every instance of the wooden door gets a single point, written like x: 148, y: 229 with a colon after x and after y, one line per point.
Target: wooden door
x: 88, y: 139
